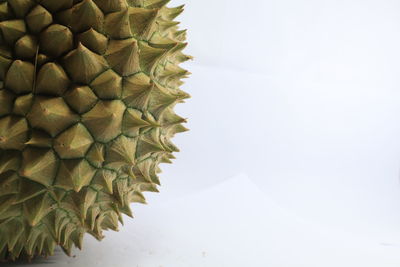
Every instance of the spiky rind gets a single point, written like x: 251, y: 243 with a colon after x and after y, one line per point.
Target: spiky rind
x: 86, y: 115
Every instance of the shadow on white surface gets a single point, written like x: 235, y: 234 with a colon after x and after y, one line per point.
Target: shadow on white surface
x: 232, y: 224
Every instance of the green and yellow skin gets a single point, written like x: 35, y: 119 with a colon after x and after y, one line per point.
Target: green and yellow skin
x: 88, y: 89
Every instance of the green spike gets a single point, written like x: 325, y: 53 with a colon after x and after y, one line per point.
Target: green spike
x: 52, y: 79
x: 26, y: 47
x: 94, y: 40
x: 105, y: 178
x: 51, y: 114
x: 81, y: 98
x: 121, y: 153
x: 83, y: 65
x: 19, y: 77
x: 133, y: 122
x: 104, y: 82
x: 74, y: 174
x: 36, y: 208
x: 87, y: 199
x: 117, y: 25
x: 13, y: 132
x: 109, y: 6
x: 12, y: 30
x: 74, y: 142
x: 141, y: 20
x: 38, y: 19
x: 23, y: 104
x: 86, y: 15
x: 39, y: 165
x: 136, y: 91
x: 96, y: 155
x: 21, y: 7
x: 28, y: 189
x: 56, y: 40
x: 122, y: 55
x: 105, y: 119
x: 9, y: 161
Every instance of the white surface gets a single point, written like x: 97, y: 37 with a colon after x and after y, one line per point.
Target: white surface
x: 303, y: 98
x: 232, y: 224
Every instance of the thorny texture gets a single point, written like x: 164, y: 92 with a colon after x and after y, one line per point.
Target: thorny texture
x: 87, y: 94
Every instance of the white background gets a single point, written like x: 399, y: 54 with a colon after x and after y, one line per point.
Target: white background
x: 293, y: 157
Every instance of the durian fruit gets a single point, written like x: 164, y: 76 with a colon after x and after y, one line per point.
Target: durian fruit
x: 87, y: 94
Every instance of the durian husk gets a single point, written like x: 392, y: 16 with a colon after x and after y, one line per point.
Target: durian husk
x: 88, y: 90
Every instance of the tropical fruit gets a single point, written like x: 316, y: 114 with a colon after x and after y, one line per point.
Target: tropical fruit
x: 88, y: 89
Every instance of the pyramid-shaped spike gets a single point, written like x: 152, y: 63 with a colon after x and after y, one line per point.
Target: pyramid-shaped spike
x: 52, y: 79
x: 9, y: 183
x: 81, y: 98
x: 21, y: 7
x: 150, y: 56
x: 136, y: 91
x: 86, y: 15
x: 38, y: 19
x: 94, y: 40
x: 26, y: 47
x: 74, y: 142
x: 108, y: 6
x: 56, y: 40
x: 4, y: 66
x: 12, y: 30
x: 39, y: 165
x: 65, y: 237
x: 87, y: 199
x: 147, y: 170
x: 133, y: 122
x: 32, y: 239
x: 141, y: 20
x: 28, y: 189
x: 77, y: 238
x: 58, y: 5
x: 96, y: 155
x: 13, y: 132
x: 19, y: 77
x: 104, y: 120
x: 117, y: 25
x: 121, y: 153
x: 88, y: 63
x: 137, y: 197
x: 51, y: 114
x: 123, y: 56
x: 121, y: 191
x: 105, y: 178
x: 74, y: 174
x: 146, y: 146
x: 110, y: 221
x: 40, y: 139
x: 9, y: 161
x: 107, y: 85
x: 156, y: 3
x: 92, y: 215
x: 36, y: 208
x: 6, y: 100
x: 14, y: 229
